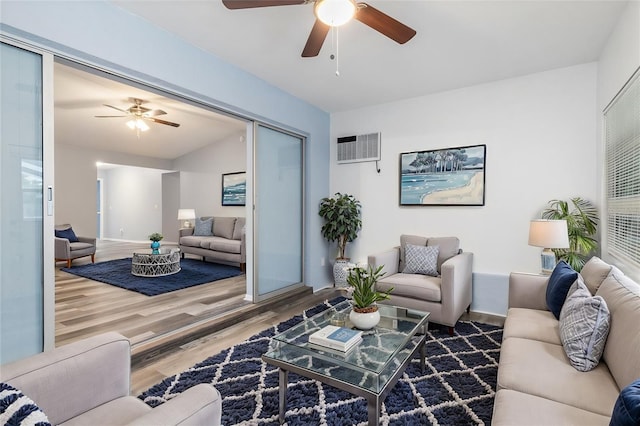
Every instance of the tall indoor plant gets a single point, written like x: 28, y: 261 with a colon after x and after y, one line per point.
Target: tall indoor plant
x: 582, y: 224
x: 341, y: 214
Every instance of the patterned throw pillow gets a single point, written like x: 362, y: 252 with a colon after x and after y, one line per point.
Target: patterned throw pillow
x: 203, y: 227
x: 584, y: 327
x: 18, y: 409
x: 421, y: 260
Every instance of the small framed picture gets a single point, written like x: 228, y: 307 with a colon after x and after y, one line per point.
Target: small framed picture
x: 443, y: 177
x: 234, y: 189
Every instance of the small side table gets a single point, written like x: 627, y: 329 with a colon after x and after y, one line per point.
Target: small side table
x: 156, y: 263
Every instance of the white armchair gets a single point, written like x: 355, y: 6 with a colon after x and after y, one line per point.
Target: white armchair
x: 445, y: 295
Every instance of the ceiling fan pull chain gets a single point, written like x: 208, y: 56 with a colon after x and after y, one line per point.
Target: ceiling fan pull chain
x: 337, y: 52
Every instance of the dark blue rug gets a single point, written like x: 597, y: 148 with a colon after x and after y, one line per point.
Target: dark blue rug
x: 118, y: 272
x: 457, y: 388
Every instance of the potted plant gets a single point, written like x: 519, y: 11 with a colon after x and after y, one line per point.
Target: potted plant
x: 342, y: 223
x: 155, y: 238
x: 362, y: 281
x: 582, y: 224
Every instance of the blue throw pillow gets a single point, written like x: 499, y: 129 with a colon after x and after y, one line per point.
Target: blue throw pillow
x: 68, y: 234
x: 562, y: 277
x: 626, y: 412
x: 203, y: 227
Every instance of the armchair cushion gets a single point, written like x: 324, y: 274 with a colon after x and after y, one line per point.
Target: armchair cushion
x: 447, y: 248
x: 67, y: 234
x: 421, y: 260
x: 418, y: 287
x: 19, y: 409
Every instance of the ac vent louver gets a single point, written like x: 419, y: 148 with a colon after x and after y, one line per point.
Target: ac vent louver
x: 357, y: 149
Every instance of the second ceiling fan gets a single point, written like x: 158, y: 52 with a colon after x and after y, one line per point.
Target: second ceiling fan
x: 334, y: 13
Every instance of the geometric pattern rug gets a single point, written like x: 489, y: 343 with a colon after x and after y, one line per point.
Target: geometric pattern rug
x: 457, y: 388
x: 118, y: 273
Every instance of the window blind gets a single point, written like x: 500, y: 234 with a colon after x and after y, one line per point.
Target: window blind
x: 622, y: 151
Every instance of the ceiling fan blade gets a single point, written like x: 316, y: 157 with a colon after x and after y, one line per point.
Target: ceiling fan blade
x: 157, y: 120
x: 110, y: 116
x: 384, y: 23
x: 316, y: 39
x: 116, y: 108
x: 248, y: 4
x: 154, y: 112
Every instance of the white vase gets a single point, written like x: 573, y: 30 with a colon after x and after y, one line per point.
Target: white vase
x: 364, y: 321
x: 340, y: 273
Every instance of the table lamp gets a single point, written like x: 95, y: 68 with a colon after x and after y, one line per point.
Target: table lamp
x: 186, y: 214
x: 548, y: 234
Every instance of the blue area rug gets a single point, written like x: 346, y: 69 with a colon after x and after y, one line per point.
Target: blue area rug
x: 457, y: 388
x: 118, y: 272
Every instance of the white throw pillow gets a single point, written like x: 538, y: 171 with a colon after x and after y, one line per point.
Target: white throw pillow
x: 584, y: 327
x: 421, y: 260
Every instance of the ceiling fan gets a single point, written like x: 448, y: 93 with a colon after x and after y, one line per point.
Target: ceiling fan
x: 138, y: 114
x: 333, y: 13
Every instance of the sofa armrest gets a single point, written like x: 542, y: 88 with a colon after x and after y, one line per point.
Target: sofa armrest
x: 74, y: 378
x: 62, y: 248
x: 390, y: 259
x: 199, y: 405
x: 185, y: 232
x: 457, y: 273
x: 88, y: 240
x: 528, y: 291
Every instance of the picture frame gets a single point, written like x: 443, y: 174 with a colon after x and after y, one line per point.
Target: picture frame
x: 443, y: 177
x: 234, y: 189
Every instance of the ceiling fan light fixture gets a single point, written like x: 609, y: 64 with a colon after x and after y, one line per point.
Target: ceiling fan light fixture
x: 139, y: 124
x: 335, y: 12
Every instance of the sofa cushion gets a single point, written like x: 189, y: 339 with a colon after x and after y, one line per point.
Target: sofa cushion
x: 224, y: 245
x: 594, y: 272
x: 67, y: 234
x: 238, y: 229
x: 532, y: 324
x: 416, y: 240
x: 447, y: 248
x: 120, y: 411
x: 543, y: 369
x: 420, y: 287
x: 626, y: 412
x: 203, y: 227
x: 19, y: 409
x: 584, y: 326
x: 190, y: 241
x: 562, y: 277
x: 623, y: 344
x: 421, y: 260
x: 223, y: 227
x: 521, y: 409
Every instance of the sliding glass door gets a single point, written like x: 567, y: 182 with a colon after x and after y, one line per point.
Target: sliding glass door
x: 278, y: 215
x: 26, y: 206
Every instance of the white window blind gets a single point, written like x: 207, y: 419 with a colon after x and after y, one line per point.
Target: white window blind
x: 622, y: 137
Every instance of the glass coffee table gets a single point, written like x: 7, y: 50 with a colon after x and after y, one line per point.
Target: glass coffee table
x: 370, y: 370
x: 155, y: 263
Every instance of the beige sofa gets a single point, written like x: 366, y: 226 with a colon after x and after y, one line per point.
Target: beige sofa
x: 226, y: 244
x: 536, y: 383
x: 445, y: 295
x: 87, y: 383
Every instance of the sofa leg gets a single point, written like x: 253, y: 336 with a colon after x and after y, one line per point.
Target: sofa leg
x: 93, y: 258
x: 243, y: 267
x: 450, y: 331
x: 68, y: 263
x: 469, y: 309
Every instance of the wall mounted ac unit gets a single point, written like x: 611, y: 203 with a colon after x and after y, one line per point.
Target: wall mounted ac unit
x: 357, y: 149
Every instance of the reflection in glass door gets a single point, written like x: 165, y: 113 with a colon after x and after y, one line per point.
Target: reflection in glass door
x: 278, y: 218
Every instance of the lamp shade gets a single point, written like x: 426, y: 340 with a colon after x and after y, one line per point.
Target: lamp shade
x: 549, y: 233
x: 186, y: 214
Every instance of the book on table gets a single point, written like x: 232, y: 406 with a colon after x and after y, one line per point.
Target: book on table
x: 337, y: 338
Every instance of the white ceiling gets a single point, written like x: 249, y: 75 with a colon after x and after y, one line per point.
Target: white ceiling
x: 458, y: 44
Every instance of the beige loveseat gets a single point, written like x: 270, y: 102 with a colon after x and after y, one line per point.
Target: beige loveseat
x: 224, y: 243
x: 537, y: 385
x: 445, y: 294
x: 87, y: 383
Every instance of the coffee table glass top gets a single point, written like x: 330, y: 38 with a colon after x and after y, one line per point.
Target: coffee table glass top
x: 371, y: 363
x: 157, y: 252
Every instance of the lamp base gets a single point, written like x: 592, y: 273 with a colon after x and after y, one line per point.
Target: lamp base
x: 548, y: 261
x: 187, y: 224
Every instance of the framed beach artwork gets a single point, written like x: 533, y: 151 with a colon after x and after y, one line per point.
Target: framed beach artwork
x: 443, y: 177
x: 234, y: 189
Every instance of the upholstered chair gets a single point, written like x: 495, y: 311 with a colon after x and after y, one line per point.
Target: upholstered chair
x: 68, y: 246
x: 428, y: 274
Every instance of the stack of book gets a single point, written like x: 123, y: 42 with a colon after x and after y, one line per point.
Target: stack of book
x: 335, y: 338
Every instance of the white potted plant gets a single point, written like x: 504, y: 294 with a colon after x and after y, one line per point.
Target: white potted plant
x: 365, y: 314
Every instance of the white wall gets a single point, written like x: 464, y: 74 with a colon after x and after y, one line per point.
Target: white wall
x: 620, y: 58
x: 540, y: 134
x: 201, y: 176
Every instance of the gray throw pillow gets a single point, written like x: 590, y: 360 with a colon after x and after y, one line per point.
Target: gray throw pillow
x: 584, y: 327
x: 203, y: 227
x: 421, y: 260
